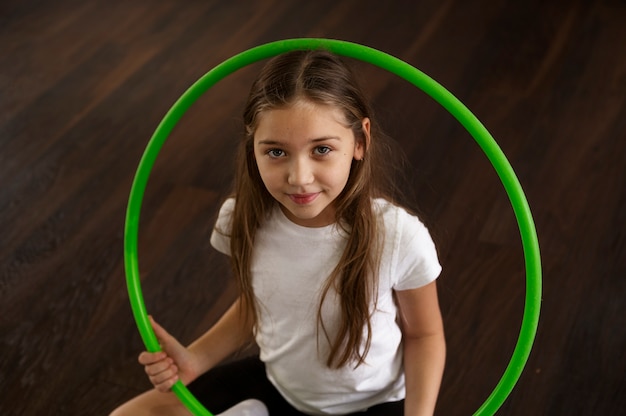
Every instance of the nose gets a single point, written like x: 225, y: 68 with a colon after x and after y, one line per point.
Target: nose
x: 300, y: 172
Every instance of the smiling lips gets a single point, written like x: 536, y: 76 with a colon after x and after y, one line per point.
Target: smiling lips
x: 303, y: 199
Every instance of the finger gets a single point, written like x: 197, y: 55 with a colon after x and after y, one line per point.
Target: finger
x: 160, y: 374
x: 147, y: 358
x: 159, y: 331
x: 165, y: 380
x: 162, y: 367
x: 166, y: 385
x: 168, y: 343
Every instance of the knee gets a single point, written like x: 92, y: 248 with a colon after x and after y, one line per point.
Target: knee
x: 251, y: 407
x: 121, y: 411
x: 149, y: 404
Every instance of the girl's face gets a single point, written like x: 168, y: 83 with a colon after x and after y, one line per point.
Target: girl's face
x: 304, y: 153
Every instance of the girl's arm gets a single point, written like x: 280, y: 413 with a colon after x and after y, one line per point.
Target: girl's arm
x: 176, y: 362
x: 424, y: 348
x: 225, y: 337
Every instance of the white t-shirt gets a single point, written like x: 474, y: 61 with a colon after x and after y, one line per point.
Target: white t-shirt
x: 290, y: 265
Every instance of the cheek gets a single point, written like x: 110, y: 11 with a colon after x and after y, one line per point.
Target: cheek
x: 338, y: 174
x: 269, y: 174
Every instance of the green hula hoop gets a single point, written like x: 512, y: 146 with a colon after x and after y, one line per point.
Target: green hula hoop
x: 420, y: 80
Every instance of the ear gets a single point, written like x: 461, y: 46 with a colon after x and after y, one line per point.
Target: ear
x: 359, y: 146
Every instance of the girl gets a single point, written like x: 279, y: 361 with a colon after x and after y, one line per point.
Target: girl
x: 337, y: 282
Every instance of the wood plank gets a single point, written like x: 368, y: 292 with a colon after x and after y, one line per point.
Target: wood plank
x: 84, y: 85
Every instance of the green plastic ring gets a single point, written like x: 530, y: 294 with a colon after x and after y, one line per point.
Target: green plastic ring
x: 420, y: 80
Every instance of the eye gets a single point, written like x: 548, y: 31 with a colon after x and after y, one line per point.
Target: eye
x: 275, y: 153
x: 322, y: 150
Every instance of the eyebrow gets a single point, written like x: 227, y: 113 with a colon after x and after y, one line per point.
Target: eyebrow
x: 271, y: 142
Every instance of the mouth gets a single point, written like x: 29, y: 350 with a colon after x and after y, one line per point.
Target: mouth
x: 303, y: 199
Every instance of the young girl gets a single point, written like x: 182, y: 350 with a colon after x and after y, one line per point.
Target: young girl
x: 337, y: 282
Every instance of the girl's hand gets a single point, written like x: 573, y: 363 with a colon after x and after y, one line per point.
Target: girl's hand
x: 173, y: 363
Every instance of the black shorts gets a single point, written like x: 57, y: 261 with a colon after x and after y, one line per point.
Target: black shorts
x: 229, y: 384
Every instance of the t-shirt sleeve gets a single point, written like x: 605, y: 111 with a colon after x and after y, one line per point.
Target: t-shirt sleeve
x: 220, y: 238
x: 417, y: 263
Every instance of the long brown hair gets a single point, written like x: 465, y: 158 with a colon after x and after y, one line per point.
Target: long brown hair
x: 321, y: 78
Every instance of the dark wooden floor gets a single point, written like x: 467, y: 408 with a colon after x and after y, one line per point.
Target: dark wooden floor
x: 83, y: 84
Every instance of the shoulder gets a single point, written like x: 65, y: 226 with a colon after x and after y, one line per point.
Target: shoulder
x: 396, y: 219
x: 228, y: 206
x: 408, y: 247
x: 220, y: 238
x: 224, y: 217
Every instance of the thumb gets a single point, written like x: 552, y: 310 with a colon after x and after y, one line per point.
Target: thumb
x: 162, y: 335
x: 169, y: 344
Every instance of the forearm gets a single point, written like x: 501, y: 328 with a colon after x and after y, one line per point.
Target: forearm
x: 424, y: 361
x: 223, y: 339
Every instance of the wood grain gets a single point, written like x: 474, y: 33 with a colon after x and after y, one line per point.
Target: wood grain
x: 84, y: 84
